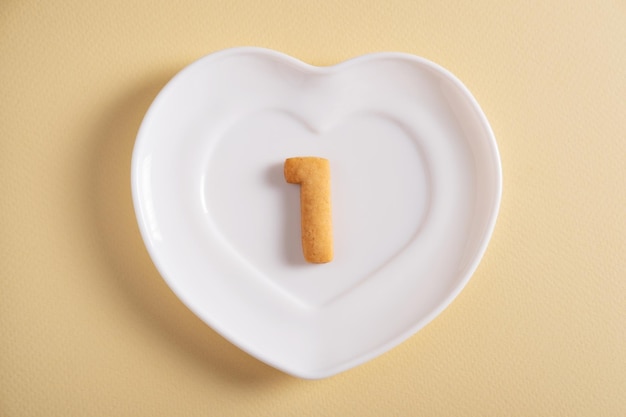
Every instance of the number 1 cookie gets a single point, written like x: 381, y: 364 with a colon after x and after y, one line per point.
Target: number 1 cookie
x: 313, y: 175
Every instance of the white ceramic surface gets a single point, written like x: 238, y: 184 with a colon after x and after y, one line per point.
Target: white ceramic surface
x: 416, y: 185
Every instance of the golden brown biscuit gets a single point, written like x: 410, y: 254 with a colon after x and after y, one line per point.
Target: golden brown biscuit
x: 313, y: 175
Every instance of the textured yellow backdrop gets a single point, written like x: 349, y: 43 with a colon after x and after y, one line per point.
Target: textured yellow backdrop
x: 88, y: 328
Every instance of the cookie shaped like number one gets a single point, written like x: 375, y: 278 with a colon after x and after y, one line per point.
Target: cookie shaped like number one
x: 313, y: 175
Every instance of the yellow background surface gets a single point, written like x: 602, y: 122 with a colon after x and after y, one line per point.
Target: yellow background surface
x: 87, y: 326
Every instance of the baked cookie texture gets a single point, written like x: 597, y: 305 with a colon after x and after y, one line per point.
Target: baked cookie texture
x: 313, y: 175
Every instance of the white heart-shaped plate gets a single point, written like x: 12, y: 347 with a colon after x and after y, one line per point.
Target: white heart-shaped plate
x: 416, y: 185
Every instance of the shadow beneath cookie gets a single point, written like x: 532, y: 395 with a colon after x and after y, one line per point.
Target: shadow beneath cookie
x: 290, y: 215
x: 121, y: 244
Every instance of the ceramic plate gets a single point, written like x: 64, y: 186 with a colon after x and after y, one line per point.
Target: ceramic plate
x: 416, y: 185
